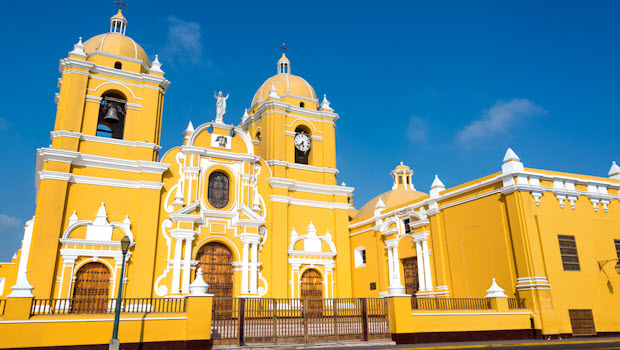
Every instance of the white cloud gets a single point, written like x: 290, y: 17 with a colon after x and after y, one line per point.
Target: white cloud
x: 500, y: 118
x: 9, y: 222
x: 184, y: 41
x: 417, y: 130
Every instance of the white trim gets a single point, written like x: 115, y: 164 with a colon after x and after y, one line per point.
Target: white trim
x: 302, y: 166
x: 491, y: 313
x: 309, y: 203
x: 56, y: 320
x: 103, y: 162
x: 91, y: 180
x: 293, y: 185
x: 77, y: 135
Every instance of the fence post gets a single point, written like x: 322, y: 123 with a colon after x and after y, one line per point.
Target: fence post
x: 335, y: 312
x: 274, y: 305
x: 305, y: 312
x: 241, y: 320
x: 364, y: 319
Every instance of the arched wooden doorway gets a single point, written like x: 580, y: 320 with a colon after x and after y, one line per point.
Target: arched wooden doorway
x: 215, y: 260
x: 91, y: 290
x: 312, y: 288
x: 410, y: 265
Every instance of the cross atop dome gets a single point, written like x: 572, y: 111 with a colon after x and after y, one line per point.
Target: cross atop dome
x: 284, y: 65
x: 118, y: 22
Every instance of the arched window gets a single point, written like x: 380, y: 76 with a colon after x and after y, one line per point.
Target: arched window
x: 118, y: 65
x: 302, y: 144
x: 400, y: 180
x: 302, y: 105
x: 112, y: 114
x: 91, y: 289
x: 218, y: 189
x: 259, y: 136
x: 360, y: 257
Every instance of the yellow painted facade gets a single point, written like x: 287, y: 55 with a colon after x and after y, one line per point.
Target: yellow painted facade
x: 266, y: 190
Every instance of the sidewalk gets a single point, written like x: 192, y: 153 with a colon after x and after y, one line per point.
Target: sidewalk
x: 596, y: 342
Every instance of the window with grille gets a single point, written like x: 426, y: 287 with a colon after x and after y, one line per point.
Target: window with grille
x: 582, y: 322
x: 617, y: 242
x: 406, y: 222
x: 568, y: 250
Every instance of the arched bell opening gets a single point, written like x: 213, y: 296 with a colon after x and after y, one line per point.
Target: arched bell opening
x: 112, y: 112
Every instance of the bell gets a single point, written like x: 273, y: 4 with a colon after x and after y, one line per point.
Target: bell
x: 111, y: 115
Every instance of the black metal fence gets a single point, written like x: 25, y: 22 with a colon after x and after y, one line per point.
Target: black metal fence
x: 106, y: 306
x: 516, y: 303
x: 450, y: 303
x: 283, y: 321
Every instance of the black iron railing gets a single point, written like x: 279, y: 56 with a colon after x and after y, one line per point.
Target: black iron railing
x: 2, y: 305
x: 450, y: 303
x: 106, y: 306
x: 516, y: 303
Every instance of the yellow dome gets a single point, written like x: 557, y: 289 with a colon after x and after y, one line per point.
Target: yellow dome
x: 402, y: 167
x: 392, y: 199
x: 285, y: 84
x: 117, y: 44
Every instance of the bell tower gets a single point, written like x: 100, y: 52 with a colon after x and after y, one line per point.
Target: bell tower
x: 110, y: 94
x: 104, y: 154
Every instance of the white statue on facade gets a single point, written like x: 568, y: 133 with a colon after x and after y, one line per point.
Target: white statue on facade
x: 221, y: 106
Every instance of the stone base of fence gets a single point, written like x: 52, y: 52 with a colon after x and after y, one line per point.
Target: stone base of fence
x: 422, y: 326
x: 186, y: 330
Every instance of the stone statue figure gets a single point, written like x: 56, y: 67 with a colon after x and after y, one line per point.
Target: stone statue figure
x: 221, y: 106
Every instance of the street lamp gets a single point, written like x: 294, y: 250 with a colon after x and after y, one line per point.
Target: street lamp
x: 602, y: 263
x: 114, y: 343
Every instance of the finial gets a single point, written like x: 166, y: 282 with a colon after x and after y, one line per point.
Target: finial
x: 190, y: 128
x: 510, y: 156
x: 156, y: 66
x: 78, y: 49
x: 245, y: 115
x: 614, y: 171
x: 380, y: 204
x: 120, y: 5
x: 437, y: 183
x: 283, y: 47
x: 273, y: 93
x: 199, y: 287
x: 325, y: 104
x: 495, y: 291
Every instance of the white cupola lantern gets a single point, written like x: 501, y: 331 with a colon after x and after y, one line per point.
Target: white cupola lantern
x: 118, y: 23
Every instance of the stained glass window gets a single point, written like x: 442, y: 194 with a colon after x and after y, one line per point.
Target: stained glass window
x: 218, y: 189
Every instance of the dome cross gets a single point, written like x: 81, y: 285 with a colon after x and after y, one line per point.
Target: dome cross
x: 283, y: 46
x: 120, y: 4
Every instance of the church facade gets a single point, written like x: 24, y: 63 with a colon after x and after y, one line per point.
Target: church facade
x: 258, y: 209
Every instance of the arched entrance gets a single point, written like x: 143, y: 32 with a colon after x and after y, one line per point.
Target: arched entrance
x: 312, y: 288
x: 410, y: 265
x: 215, y: 260
x: 91, y: 290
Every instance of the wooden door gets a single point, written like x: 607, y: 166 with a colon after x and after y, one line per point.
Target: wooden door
x: 410, y: 266
x: 215, y: 260
x: 91, y: 290
x: 312, y: 288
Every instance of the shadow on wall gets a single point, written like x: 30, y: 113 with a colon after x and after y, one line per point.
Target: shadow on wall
x: 477, y: 262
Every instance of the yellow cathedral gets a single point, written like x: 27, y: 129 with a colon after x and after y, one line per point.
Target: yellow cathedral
x: 256, y: 209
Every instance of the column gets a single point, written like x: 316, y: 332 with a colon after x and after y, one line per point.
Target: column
x: 176, y: 270
x: 254, y: 269
x: 396, y: 266
x: 427, y: 265
x: 421, y: 278
x: 244, y: 268
x: 390, y: 266
x: 187, y: 262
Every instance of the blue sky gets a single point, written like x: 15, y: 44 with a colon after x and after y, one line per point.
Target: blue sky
x: 444, y: 86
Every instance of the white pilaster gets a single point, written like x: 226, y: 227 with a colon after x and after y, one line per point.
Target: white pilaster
x: 395, y: 288
x: 187, y: 261
x: 244, y: 267
x: 427, y: 266
x: 254, y: 269
x: 421, y: 277
x: 176, y: 269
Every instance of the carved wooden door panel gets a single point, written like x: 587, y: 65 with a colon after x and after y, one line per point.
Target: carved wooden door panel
x: 410, y: 266
x: 312, y: 288
x: 215, y: 260
x: 91, y: 290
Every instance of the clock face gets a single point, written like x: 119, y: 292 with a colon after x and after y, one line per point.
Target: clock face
x: 302, y: 142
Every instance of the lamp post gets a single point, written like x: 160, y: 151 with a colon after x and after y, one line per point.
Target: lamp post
x: 602, y: 263
x: 114, y: 343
